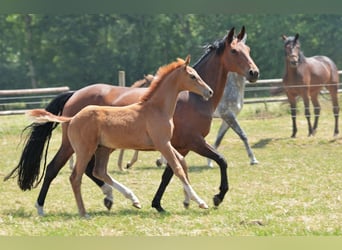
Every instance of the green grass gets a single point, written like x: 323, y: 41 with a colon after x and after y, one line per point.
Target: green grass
x: 295, y: 190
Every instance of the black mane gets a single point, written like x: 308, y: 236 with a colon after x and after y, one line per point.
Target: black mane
x: 218, y: 46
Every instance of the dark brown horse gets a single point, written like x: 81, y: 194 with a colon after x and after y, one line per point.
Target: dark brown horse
x: 192, y: 119
x: 305, y: 77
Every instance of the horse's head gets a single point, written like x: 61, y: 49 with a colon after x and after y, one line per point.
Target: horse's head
x: 237, y: 56
x: 193, y: 82
x: 292, y: 49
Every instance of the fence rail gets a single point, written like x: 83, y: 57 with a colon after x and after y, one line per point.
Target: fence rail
x: 29, y: 98
x: 12, y: 100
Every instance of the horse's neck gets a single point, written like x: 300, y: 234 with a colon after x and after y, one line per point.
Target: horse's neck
x: 215, y: 75
x: 165, y: 96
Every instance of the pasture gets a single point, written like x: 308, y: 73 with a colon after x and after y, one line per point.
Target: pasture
x: 295, y: 189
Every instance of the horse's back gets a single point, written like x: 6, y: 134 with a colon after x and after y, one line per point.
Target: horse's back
x: 95, y: 94
x: 324, y: 67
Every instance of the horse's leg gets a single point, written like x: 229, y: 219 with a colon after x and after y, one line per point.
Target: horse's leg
x: 293, y: 107
x: 76, y: 178
x: 53, y: 168
x: 336, y: 109
x: 106, y: 189
x: 181, y: 160
x: 317, y: 111
x: 201, y: 147
x: 133, y: 160
x: 222, y: 131
x: 307, y: 112
x: 100, y: 171
x: 171, y: 155
x: 165, y: 180
x: 120, y: 159
x: 160, y: 161
x: 238, y: 130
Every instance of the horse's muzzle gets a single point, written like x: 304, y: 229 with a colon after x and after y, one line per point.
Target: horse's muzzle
x: 294, y: 63
x: 253, y: 75
x: 208, y: 93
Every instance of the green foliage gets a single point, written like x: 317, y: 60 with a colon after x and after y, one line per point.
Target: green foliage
x: 77, y: 50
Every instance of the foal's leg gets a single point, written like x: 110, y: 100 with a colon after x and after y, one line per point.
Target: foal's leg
x: 222, y: 131
x: 100, y: 171
x: 171, y: 155
x: 181, y: 160
x: 76, y: 178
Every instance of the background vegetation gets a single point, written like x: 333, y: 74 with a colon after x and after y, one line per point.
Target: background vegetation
x: 76, y: 50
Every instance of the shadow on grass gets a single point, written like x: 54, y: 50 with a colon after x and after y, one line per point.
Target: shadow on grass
x: 264, y: 142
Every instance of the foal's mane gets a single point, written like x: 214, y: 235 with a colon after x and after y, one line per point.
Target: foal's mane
x: 161, y: 74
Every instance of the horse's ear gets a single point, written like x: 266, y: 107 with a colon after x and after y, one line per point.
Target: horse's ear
x: 230, y: 36
x: 242, y: 33
x: 296, y: 38
x: 187, y: 60
x: 284, y: 37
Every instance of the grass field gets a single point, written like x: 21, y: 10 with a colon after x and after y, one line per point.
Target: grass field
x: 295, y: 190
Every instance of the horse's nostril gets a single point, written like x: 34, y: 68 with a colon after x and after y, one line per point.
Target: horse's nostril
x: 253, y: 73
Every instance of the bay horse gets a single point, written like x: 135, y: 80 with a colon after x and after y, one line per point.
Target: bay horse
x: 146, y: 125
x: 228, y: 109
x: 192, y: 120
x: 305, y: 77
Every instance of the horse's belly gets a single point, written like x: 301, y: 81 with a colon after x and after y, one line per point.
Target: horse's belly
x: 126, y: 138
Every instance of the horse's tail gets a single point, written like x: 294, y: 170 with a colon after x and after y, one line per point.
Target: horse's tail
x: 41, y: 116
x: 28, y: 167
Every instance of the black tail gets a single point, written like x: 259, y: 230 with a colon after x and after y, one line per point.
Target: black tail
x: 39, y: 135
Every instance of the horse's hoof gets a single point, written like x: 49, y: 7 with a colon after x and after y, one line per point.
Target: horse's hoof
x: 40, y: 209
x: 108, y: 203
x: 254, y: 162
x: 85, y: 216
x: 136, y: 205
x: 159, y: 208
x: 159, y: 163
x: 217, y: 201
x: 203, y: 206
x: 186, y: 205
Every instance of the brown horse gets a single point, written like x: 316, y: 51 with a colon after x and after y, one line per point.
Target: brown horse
x: 305, y: 77
x: 192, y: 120
x: 146, y: 125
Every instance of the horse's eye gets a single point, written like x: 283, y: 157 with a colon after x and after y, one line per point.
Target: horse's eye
x: 234, y: 51
x: 193, y: 77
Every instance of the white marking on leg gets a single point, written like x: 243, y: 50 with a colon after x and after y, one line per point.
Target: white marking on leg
x: 40, y: 209
x: 128, y: 193
x: 192, y: 194
x: 107, y: 191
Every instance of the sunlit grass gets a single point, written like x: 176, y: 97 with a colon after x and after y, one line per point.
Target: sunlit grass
x: 295, y: 190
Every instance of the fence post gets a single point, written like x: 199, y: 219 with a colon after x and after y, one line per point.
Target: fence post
x: 122, y: 78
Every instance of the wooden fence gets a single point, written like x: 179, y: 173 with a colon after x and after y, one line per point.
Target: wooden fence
x: 12, y: 100
x: 19, y: 100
